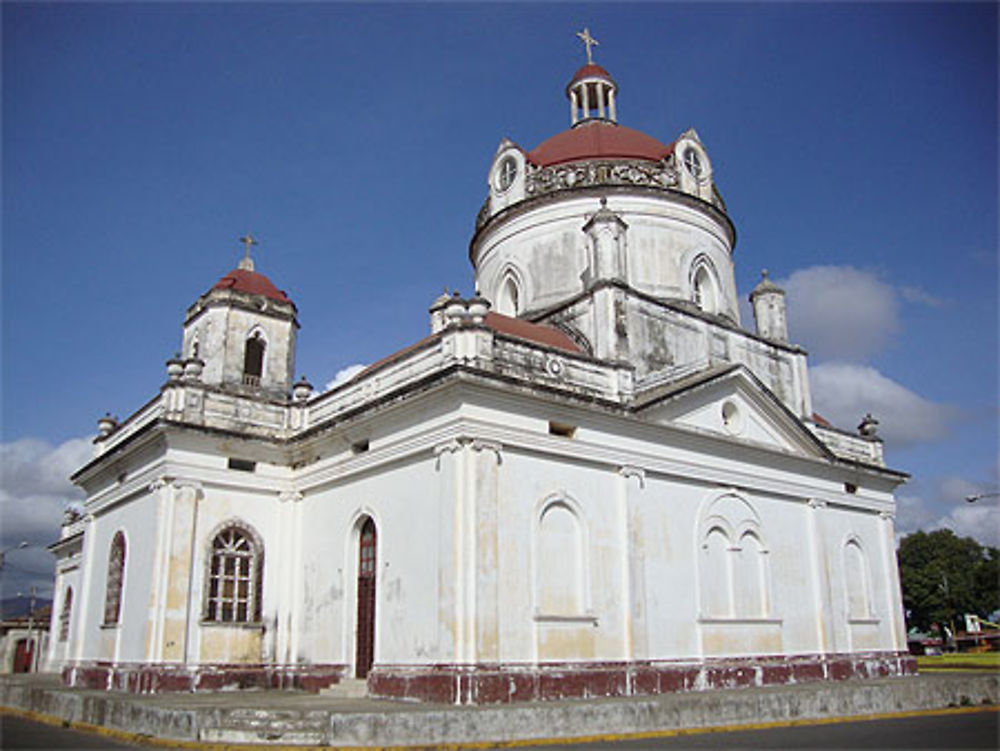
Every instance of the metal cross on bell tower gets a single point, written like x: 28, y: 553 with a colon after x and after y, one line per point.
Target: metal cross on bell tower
x: 589, y: 42
x: 247, y: 262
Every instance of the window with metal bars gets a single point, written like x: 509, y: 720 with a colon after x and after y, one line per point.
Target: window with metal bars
x: 115, y: 580
x: 233, y: 594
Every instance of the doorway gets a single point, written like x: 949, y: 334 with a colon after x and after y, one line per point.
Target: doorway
x: 365, y: 640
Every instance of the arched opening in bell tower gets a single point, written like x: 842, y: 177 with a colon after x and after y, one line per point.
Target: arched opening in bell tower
x: 253, y: 360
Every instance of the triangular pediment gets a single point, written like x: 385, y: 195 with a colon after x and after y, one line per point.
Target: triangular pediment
x: 729, y: 401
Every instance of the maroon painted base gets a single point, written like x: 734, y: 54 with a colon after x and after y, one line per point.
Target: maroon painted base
x: 493, y: 684
x: 147, y: 678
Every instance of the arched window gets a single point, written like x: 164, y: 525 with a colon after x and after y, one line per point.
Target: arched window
x: 115, y: 580
x: 509, y: 296
x: 560, y: 562
x: 235, y: 572
x: 704, y: 289
x: 65, y: 614
x: 253, y: 360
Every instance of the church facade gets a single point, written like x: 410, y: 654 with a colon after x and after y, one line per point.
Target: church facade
x: 589, y: 479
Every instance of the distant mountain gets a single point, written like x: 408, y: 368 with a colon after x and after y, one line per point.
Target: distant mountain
x: 14, y: 607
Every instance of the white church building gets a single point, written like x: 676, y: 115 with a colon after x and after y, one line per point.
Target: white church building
x: 590, y: 479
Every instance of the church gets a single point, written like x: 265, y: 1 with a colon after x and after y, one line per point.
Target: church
x: 590, y: 478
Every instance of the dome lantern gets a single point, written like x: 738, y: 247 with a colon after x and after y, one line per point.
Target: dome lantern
x: 592, y: 90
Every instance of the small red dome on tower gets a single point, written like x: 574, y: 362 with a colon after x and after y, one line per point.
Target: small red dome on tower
x: 590, y: 70
x: 244, y: 280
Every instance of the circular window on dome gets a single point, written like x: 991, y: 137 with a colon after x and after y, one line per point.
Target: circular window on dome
x: 693, y: 164
x: 505, y: 173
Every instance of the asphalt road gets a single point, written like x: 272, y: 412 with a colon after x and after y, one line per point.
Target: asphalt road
x: 944, y: 731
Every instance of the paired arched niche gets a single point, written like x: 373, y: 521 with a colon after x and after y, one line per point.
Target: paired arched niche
x: 733, y: 571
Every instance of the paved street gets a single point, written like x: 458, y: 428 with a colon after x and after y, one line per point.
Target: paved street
x: 951, y: 731
x: 17, y: 732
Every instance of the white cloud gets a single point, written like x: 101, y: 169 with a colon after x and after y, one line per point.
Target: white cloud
x: 34, y: 491
x: 977, y: 520
x: 942, y: 505
x: 344, y: 375
x: 917, y: 295
x: 844, y: 392
x: 35, y: 487
x: 840, y: 312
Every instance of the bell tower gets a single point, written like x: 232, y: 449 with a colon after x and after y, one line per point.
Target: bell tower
x: 243, y: 330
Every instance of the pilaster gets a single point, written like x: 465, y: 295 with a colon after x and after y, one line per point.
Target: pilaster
x: 819, y: 566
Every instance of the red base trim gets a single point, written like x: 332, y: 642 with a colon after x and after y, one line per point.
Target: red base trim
x: 496, y: 684
x: 143, y: 678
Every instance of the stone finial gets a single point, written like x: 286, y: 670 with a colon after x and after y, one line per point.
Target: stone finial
x: 302, y: 390
x: 106, y: 424
x: 175, y: 367
x: 868, y: 426
x: 478, y: 308
x: 456, y: 310
x: 437, y: 311
x: 193, y: 367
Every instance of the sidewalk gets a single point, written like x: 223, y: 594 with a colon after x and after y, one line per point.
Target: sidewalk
x: 310, y: 719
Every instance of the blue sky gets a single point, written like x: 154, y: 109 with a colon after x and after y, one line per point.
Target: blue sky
x: 855, y: 146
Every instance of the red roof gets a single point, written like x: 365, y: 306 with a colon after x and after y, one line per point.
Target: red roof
x: 533, y: 332
x: 591, y: 70
x: 598, y: 140
x: 251, y: 282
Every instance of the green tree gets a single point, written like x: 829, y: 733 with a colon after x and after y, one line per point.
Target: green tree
x: 944, y: 576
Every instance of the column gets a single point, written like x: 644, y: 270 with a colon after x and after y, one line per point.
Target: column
x: 447, y: 463
x: 161, y: 580
x: 600, y: 89
x: 88, y: 572
x: 586, y: 101
x: 486, y: 461
x: 572, y: 107
x: 820, y: 577
x: 611, y: 105
x: 893, y: 594
x: 284, y: 556
x: 636, y: 640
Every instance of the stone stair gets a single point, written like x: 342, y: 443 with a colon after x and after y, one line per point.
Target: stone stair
x: 348, y: 688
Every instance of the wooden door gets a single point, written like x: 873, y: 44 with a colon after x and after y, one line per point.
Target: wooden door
x: 366, y: 600
x: 22, y: 656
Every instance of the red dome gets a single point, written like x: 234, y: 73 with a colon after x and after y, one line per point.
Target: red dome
x: 591, y: 70
x: 598, y: 140
x: 252, y: 283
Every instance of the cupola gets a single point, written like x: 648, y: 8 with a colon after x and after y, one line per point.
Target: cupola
x: 592, y: 90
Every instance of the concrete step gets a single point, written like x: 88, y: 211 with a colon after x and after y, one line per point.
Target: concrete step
x: 348, y: 688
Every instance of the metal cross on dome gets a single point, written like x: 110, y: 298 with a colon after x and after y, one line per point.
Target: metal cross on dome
x: 248, y: 241
x: 589, y: 41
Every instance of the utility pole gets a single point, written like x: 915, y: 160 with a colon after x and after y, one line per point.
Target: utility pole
x: 33, y: 660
